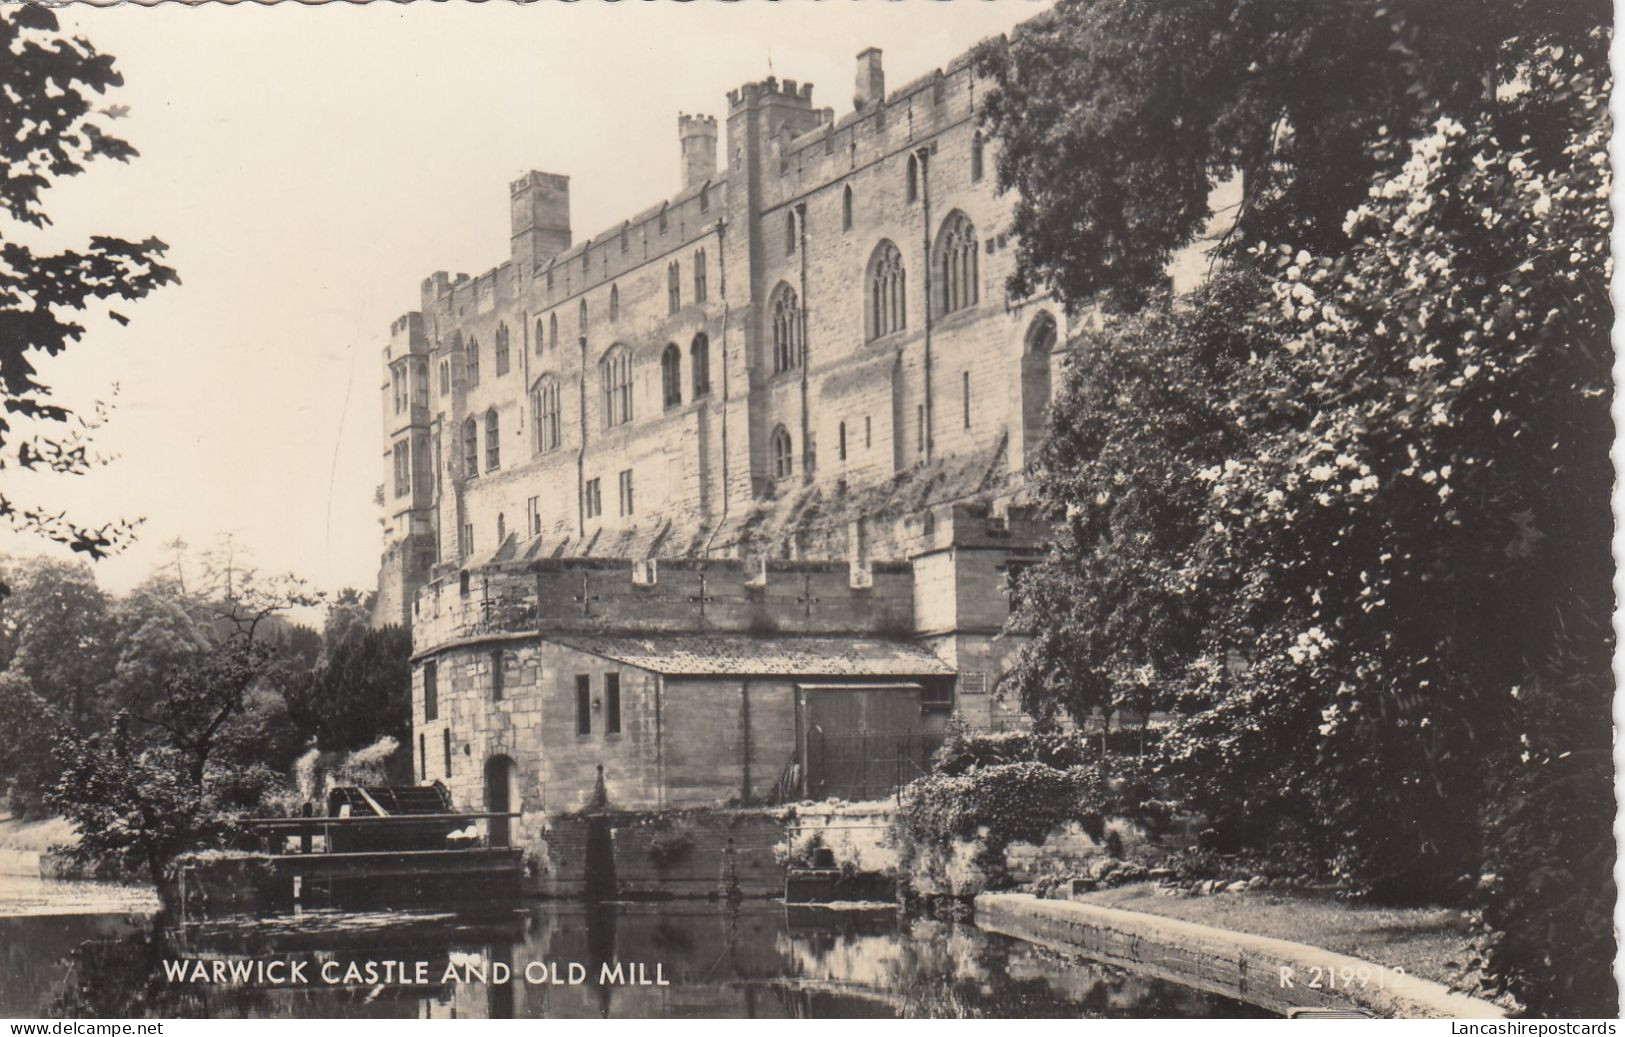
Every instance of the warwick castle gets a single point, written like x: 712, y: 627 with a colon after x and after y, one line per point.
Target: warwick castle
x: 674, y: 508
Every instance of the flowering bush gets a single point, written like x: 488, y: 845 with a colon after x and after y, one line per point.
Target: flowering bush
x: 1363, y: 547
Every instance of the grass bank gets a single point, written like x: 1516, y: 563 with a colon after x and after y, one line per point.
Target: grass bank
x: 34, y: 836
x: 1430, y: 942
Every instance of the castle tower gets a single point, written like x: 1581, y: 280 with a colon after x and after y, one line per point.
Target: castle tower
x: 408, y: 482
x: 698, y: 137
x: 539, y: 204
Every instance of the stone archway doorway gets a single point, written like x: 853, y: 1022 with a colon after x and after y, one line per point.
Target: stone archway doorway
x: 501, y: 797
x: 1035, y: 384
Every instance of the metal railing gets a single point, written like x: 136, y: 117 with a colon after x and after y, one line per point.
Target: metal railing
x: 867, y: 764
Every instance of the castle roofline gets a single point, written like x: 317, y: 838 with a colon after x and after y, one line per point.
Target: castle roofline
x: 638, y: 219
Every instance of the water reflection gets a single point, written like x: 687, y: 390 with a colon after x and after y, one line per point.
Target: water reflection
x: 647, y: 960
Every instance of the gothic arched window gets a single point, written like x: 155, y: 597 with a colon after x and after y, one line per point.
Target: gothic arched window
x: 786, y: 316
x: 783, y: 457
x: 671, y: 375
x: 502, y: 349
x: 493, y: 441
x: 545, y: 417
x: 614, y: 302
x: 699, y: 363
x: 616, y: 373
x: 471, y: 447
x: 956, y: 262
x: 471, y: 362
x: 888, y: 310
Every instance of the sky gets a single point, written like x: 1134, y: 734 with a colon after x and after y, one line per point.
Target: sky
x: 309, y: 166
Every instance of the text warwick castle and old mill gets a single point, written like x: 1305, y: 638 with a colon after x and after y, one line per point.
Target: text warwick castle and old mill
x: 723, y: 504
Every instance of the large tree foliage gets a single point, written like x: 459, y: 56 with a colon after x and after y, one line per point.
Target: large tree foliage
x: 1116, y: 119
x: 202, y: 736
x: 1346, y: 511
x: 56, y: 660
x: 48, y: 131
x: 360, y: 692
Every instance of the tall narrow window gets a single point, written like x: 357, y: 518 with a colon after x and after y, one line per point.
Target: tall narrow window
x: 913, y: 187
x: 496, y: 676
x: 846, y: 208
x: 699, y: 362
x: 403, y: 468
x: 541, y: 337
x: 887, y: 283
x: 626, y: 492
x: 790, y: 232
x: 783, y: 456
x: 445, y: 748
x: 671, y: 375
x: 502, y: 350
x: 502, y: 528
x: 976, y: 157
x: 840, y: 441
x: 544, y: 408
x: 533, y: 515
x: 614, y: 302
x: 431, y: 691
x: 493, y: 442
x: 964, y: 378
x: 581, y: 318
x: 423, y: 759
x: 956, y: 261
x: 471, y: 447
x: 583, y: 704
x: 612, y: 703
x: 553, y: 331
x: 786, y: 314
x: 445, y: 377
x: 674, y: 287
x: 592, y: 501
x: 615, y: 370
x: 472, y: 359
x: 699, y: 276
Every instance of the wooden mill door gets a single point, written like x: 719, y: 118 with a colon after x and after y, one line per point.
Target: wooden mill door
x: 859, y: 742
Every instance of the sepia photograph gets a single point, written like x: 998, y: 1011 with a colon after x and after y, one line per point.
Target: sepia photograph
x: 1035, y: 509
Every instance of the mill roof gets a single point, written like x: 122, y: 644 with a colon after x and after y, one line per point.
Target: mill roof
x: 761, y: 654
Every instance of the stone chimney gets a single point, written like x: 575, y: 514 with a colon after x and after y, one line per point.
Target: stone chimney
x: 698, y: 136
x: 871, y: 87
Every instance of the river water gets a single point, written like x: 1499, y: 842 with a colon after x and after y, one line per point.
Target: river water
x: 90, y: 951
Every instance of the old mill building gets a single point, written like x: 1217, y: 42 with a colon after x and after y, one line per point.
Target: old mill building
x: 722, y: 503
